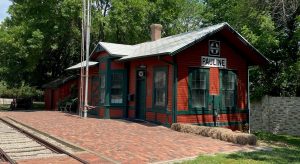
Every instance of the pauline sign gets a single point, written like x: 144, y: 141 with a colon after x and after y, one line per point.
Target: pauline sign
x: 213, y: 62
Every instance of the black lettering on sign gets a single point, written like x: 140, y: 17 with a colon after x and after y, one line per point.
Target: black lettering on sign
x: 213, y: 62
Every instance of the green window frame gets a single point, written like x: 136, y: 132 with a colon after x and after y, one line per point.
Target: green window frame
x: 198, y: 88
x: 102, y: 88
x: 160, y: 87
x: 117, y: 88
x: 229, y: 89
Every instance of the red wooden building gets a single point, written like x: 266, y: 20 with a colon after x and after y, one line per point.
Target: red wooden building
x: 199, y: 77
x: 59, y: 90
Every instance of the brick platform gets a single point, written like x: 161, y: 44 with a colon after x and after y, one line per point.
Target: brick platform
x: 120, y: 141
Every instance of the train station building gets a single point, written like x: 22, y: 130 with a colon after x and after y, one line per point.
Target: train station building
x: 199, y: 77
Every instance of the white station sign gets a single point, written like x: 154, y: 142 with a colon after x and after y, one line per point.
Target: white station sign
x: 213, y: 62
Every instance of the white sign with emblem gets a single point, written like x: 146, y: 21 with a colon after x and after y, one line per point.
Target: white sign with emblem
x: 213, y: 62
x: 214, y: 48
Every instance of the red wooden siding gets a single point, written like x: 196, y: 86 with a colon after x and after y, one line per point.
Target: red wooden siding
x: 214, y: 81
x: 234, y: 61
x: 191, y: 57
x: 116, y: 112
x: 54, y: 95
x: 97, y: 55
x: 150, y: 63
x: 115, y: 65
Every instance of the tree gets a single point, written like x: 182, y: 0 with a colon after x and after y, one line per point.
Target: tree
x: 271, y: 26
x: 42, y: 39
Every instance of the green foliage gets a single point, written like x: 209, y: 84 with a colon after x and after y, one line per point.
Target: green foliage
x: 40, y: 40
x: 24, y: 91
x: 285, y: 149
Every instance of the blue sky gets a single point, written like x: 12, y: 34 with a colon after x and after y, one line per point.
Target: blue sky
x: 4, y: 4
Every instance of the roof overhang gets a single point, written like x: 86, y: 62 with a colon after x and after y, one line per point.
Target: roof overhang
x: 82, y: 64
x: 59, y: 81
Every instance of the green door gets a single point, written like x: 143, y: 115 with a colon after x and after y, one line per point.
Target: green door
x: 140, y: 94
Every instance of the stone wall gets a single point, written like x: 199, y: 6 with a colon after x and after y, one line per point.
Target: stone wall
x: 278, y: 115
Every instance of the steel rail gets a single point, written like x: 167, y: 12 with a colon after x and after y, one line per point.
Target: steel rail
x: 5, y: 157
x: 45, y: 143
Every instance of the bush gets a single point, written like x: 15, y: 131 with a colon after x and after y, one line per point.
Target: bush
x: 23, y: 91
x: 216, y: 133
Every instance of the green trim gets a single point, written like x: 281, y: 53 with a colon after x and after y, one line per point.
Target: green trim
x: 174, y: 94
x: 220, y: 124
x: 107, y: 89
x: 155, y: 110
x: 155, y: 70
x: 131, y: 107
x: 100, y: 78
x: 102, y: 59
x: 193, y: 112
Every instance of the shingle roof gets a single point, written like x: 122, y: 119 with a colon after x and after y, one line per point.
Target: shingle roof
x: 168, y: 45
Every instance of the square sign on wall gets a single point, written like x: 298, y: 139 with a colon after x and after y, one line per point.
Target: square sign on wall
x: 214, y: 48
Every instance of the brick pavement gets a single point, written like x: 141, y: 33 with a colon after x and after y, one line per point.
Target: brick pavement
x: 123, y: 141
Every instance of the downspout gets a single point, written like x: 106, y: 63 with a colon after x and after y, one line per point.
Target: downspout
x: 248, y: 99
x: 174, y: 87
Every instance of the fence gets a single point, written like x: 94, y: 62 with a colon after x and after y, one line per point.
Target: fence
x: 278, y: 115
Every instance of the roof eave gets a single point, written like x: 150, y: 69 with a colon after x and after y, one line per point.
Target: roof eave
x: 140, y: 57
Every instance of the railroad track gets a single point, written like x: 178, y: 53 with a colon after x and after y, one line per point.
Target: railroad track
x: 18, y: 144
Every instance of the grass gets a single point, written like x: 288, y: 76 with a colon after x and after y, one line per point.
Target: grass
x: 4, y: 106
x: 38, y: 105
x: 285, y: 149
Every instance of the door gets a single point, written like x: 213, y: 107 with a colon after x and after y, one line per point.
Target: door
x: 141, y: 94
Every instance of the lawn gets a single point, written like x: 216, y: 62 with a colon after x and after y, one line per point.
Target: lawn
x: 4, y: 106
x: 285, y: 149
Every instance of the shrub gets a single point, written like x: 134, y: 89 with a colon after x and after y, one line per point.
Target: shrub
x: 23, y: 91
x: 216, y: 133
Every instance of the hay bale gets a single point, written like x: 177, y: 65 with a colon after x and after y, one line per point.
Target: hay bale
x: 223, y: 134
x: 176, y: 127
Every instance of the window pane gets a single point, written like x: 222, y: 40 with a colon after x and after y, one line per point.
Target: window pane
x: 198, y: 88
x: 160, y: 97
x: 198, y: 98
x: 228, y: 98
x: 160, y: 84
x: 116, y: 88
x: 102, y: 81
x: 228, y: 87
x: 102, y: 96
x: 102, y: 89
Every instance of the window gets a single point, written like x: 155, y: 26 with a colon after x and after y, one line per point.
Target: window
x: 160, y: 87
x: 117, y: 88
x: 228, y: 89
x: 198, y: 88
x: 102, y: 89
